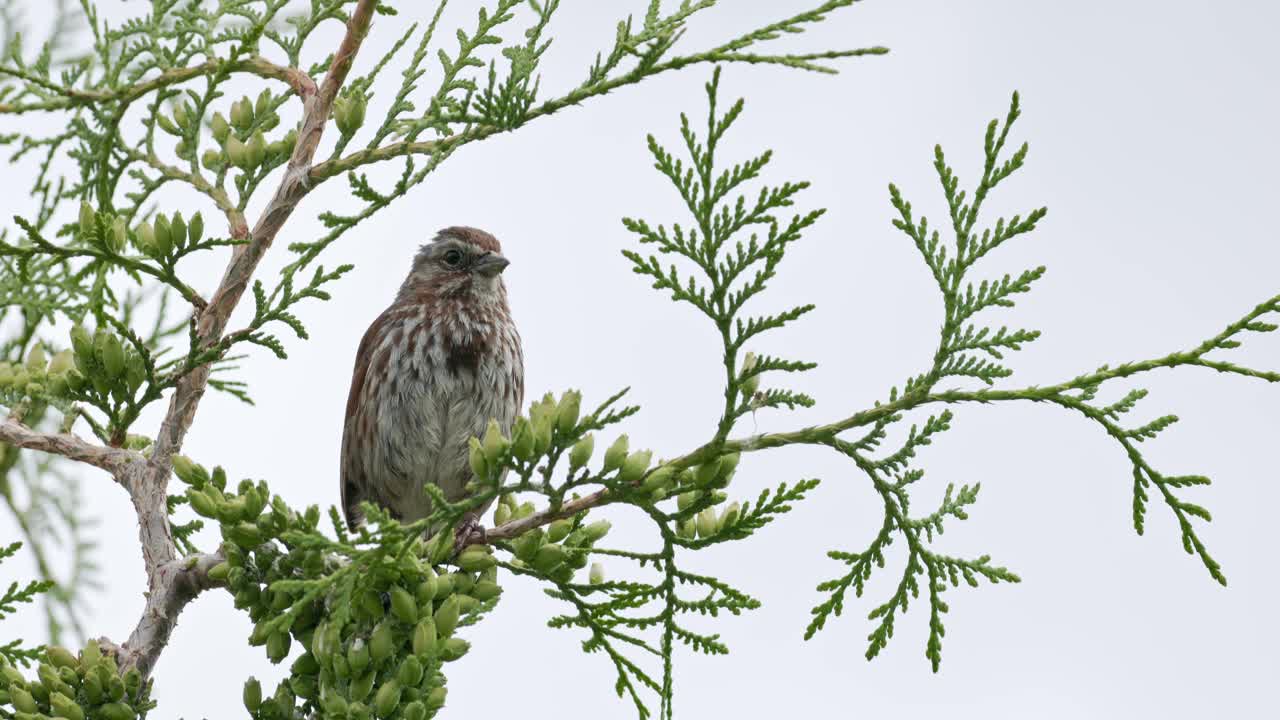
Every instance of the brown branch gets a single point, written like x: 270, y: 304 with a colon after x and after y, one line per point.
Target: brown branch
x: 173, y: 585
x: 169, y: 588
x: 298, y: 80
x: 516, y: 528
x: 114, y: 460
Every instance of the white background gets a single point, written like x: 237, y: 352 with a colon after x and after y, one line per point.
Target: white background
x: 1154, y: 145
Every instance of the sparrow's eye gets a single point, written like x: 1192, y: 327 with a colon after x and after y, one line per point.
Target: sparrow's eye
x: 453, y: 258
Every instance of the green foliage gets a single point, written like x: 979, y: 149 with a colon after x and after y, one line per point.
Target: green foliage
x: 19, y: 594
x: 84, y: 686
x: 102, y: 319
x: 969, y: 350
x: 149, y: 110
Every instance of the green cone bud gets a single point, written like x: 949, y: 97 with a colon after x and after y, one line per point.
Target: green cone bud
x: 548, y: 558
x: 707, y: 472
x: 428, y: 588
x: 254, y: 503
x: 453, y: 648
x: 447, y: 615
x: 462, y: 582
x: 494, y: 443
x: 219, y: 572
x: 61, y: 657
x: 348, y: 113
x: 88, y: 221
x: 580, y: 455
x: 257, y: 147
x: 195, y: 229
x: 381, y: 643
x: 135, y: 370
x: 559, y: 530
x: 220, y: 127
x: 334, y: 704
x: 357, y: 656
x: 435, y: 699
x: 749, y: 384
x: 238, y: 153
x: 278, y: 646
x: 92, y: 687
x: 62, y: 363
x: 211, y: 159
x: 361, y: 687
x: 82, y: 343
x: 246, y: 535
x: 75, y: 380
x: 479, y: 464
x: 707, y: 523
x: 596, y: 576
x: 476, y: 558
x: 616, y: 455
x: 634, y: 466
x: 110, y: 354
x: 522, y: 440
x: 687, y: 529
x: 304, y: 686
x: 369, y: 604
x: 501, y: 515
x: 388, y: 698
x: 486, y: 590
x: 728, y: 465
x: 65, y: 707
x: 305, y: 664
x: 117, y: 711
x: 181, y: 114
x: 593, y: 532
x: 242, y: 114
x: 527, y: 544
x: 567, y: 411
x: 340, y: 666
x: 357, y: 711
x: 119, y: 235
x: 164, y: 238
x: 189, y: 472
x: 22, y: 700
x: 542, y: 434
x: 729, y: 517
x: 91, y: 655
x: 178, y: 230
x: 252, y: 694
x: 144, y: 238
x: 425, y: 637
x: 36, y: 359
x: 686, y: 500
x: 410, y: 673
x: 403, y: 606
x: 9, y: 675
x: 415, y: 710
x: 440, y: 547
x: 263, y: 103
x: 659, y: 479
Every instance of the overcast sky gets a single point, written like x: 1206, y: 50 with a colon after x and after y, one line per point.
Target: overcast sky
x: 1153, y: 143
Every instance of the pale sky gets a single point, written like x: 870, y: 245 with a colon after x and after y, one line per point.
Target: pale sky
x: 1153, y: 143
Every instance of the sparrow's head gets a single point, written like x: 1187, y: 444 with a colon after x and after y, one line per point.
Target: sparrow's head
x: 459, y: 261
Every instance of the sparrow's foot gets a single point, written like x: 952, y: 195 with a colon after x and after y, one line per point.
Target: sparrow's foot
x: 470, y: 531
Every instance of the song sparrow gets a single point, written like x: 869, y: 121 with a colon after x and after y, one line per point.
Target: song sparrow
x: 431, y: 371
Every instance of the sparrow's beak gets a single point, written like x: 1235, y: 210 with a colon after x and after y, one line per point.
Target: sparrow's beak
x: 491, y: 265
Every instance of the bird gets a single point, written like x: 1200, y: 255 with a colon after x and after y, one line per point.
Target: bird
x: 431, y: 372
